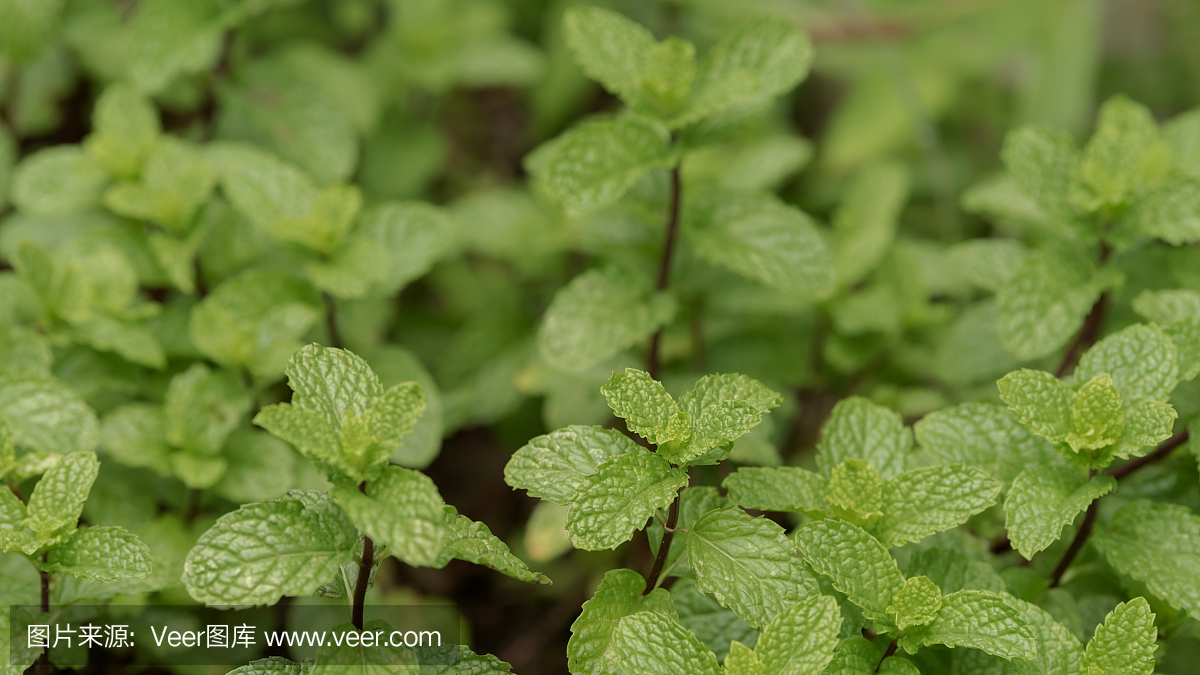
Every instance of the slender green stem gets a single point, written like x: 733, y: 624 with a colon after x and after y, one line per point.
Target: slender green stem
x: 364, y: 575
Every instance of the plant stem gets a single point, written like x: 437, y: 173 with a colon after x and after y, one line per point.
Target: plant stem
x: 364, y: 574
x: 335, y: 338
x: 664, y: 267
x: 43, y: 664
x: 664, y: 547
x: 1085, y: 529
x: 1160, y: 454
x: 1090, y: 330
x: 890, y: 650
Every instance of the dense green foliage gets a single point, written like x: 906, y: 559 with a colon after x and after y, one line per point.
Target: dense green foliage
x: 891, y: 353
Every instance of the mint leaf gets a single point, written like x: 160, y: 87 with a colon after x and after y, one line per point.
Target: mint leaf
x: 351, y: 270
x: 860, y: 429
x: 1168, y: 306
x: 1167, y: 213
x: 57, y: 500
x: 983, y: 435
x: 916, y: 603
x: 590, y: 650
x: 952, y: 571
x: 1125, y: 643
x: 1141, y: 359
x: 412, y: 235
x: 308, y: 432
x: 1096, y: 417
x: 856, y: 492
x: 648, y: 642
x: 27, y: 27
x: 595, y: 163
x: 1044, y: 500
x: 1125, y: 153
x: 990, y: 622
x: 761, y: 238
x: 668, y: 75
x: 255, y: 320
x: 263, y: 551
x: 401, y: 510
x: 647, y: 408
x: 741, y: 660
x: 1059, y: 652
x: 124, y: 128
x: 613, y: 503
x: 857, y: 563
x: 281, y: 199
x: 694, y: 503
x: 929, y: 500
x: 864, y: 225
x: 103, y: 554
x: 764, y: 58
x: 1041, y: 401
x: 784, y: 488
x: 596, y: 315
x: 202, y: 407
x: 1146, y: 424
x: 1041, y: 162
x: 260, y: 466
x: 747, y: 564
x: 1157, y: 545
x: 986, y: 263
x: 175, y: 183
x: 716, y: 626
x: 722, y: 408
x: 169, y: 39
x: 474, y: 542
x: 57, y: 181
x: 332, y: 382
x: 610, y: 49
x: 44, y: 414
x: 1044, y: 304
x: 800, y: 639
x: 553, y: 466
x: 853, y: 656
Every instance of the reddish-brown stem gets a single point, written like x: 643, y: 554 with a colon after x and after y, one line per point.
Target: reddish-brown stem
x: 664, y: 267
x: 664, y: 547
x: 43, y: 664
x: 1158, y: 455
x: 1085, y: 529
x: 890, y: 650
x: 364, y: 575
x: 1086, y: 337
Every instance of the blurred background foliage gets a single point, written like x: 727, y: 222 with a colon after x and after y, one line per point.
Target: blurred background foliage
x: 142, y: 274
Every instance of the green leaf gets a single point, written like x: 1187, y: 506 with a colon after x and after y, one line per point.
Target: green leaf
x: 853, y: 656
x: 952, y: 571
x: 1125, y: 643
x: 694, y: 503
x: 1044, y: 304
x: 136, y: 435
x: 982, y: 435
x: 308, y: 431
x: 596, y: 315
x: 1041, y: 162
x: 761, y: 238
x: 260, y: 466
x: 202, y: 407
x: 784, y: 488
x: 593, y: 164
x: 856, y: 492
x: 747, y: 564
x: 44, y: 414
x: 857, y: 563
x: 128, y: 340
x: 1096, y: 417
x: 103, y: 554
x: 800, y: 639
x: 1041, y: 401
x: 1059, y: 652
x: 255, y: 320
x: 722, y: 408
x: 412, y: 236
x: 590, y: 650
x: 57, y: 500
x: 1146, y: 424
x: 1157, y: 545
x: 1167, y: 213
x: 763, y: 59
x: 58, y: 180
x: 199, y: 472
x: 1044, y: 500
x: 916, y: 603
x: 1124, y: 154
x: 1141, y: 359
x: 860, y: 429
x: 864, y: 226
x: 929, y: 500
x: 716, y: 626
x: 741, y: 660
x: 1168, y: 306
x: 610, y: 49
x: 281, y: 199
x: 333, y: 382
x: 272, y: 665
x: 613, y: 503
x: 263, y: 551
x: 401, y: 510
x: 986, y: 263
x: 175, y: 183
x: 351, y: 271
x: 895, y: 665
x: 648, y: 642
x: 474, y: 542
x: 554, y: 465
x: 990, y: 622
x: 124, y: 127
x: 667, y: 77
x: 26, y: 27
x: 168, y: 39
x: 647, y: 408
